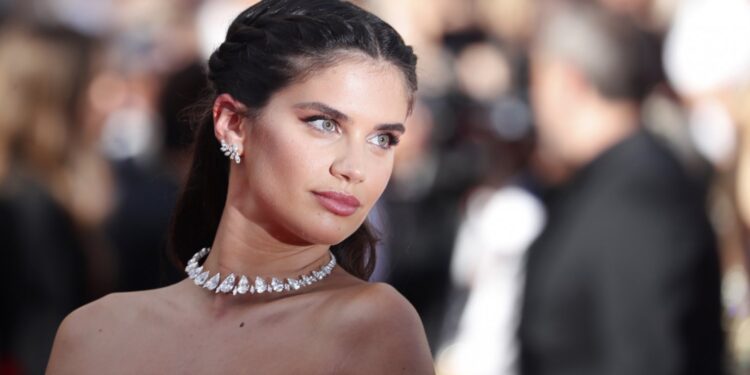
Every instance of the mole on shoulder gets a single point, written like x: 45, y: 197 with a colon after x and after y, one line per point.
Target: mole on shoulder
x: 242, y: 324
x: 99, y: 329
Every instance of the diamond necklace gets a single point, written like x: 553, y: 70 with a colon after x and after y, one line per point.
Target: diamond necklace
x: 201, y: 278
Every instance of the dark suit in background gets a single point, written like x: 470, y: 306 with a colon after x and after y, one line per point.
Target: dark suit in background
x: 624, y: 279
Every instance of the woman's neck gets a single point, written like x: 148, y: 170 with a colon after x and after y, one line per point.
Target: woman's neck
x: 244, y: 247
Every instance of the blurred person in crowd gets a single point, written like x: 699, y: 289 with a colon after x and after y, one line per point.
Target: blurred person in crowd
x: 624, y: 278
x: 147, y: 187
x: 53, y: 191
x: 309, y: 100
x: 144, y: 74
x: 707, y: 60
x: 707, y: 65
x: 500, y: 218
x: 498, y: 227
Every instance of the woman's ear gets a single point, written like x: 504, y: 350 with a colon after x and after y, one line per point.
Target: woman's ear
x: 229, y: 125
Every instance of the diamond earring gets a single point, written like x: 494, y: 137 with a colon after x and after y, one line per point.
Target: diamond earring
x: 231, y: 151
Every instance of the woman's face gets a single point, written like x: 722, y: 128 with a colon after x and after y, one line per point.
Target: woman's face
x: 321, y: 152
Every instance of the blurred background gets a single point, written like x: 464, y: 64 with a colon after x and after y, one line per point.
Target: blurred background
x: 94, y: 145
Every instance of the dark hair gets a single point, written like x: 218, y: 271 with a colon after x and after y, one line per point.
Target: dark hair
x: 269, y: 46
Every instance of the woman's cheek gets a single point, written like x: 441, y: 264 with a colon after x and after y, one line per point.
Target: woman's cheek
x: 382, y: 176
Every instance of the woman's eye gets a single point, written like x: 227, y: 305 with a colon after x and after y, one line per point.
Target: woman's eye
x: 323, y: 124
x: 384, y: 140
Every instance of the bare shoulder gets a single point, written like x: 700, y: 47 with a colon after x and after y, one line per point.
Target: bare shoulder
x: 379, y: 303
x: 382, y: 331
x: 89, y: 332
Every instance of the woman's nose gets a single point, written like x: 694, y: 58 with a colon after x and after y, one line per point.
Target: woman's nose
x: 349, y: 166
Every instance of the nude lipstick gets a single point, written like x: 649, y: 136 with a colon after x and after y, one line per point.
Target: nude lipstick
x: 340, y: 204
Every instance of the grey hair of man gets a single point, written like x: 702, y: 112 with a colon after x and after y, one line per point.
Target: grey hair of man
x: 609, y: 50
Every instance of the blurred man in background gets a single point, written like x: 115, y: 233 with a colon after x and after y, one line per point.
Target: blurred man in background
x: 624, y: 278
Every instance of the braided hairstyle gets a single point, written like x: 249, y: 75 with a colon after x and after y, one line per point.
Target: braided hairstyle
x: 269, y: 46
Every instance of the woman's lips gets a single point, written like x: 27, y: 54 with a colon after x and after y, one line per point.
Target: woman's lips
x: 338, y: 203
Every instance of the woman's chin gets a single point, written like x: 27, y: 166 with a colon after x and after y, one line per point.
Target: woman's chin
x: 330, y: 239
x: 330, y: 236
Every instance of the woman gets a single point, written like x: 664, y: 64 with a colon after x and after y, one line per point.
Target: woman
x: 310, y: 100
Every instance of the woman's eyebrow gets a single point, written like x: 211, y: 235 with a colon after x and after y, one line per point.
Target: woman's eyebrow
x: 391, y: 127
x: 330, y: 112
x: 340, y: 117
